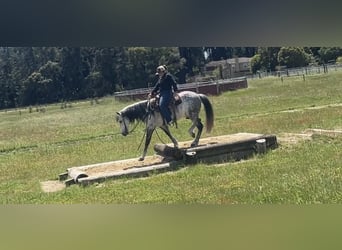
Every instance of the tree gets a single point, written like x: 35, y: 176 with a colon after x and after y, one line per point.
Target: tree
x: 329, y: 53
x: 43, y: 86
x: 250, y: 51
x: 104, y: 65
x: 138, y: 67
x: 35, y: 89
x: 121, y: 67
x: 223, y: 53
x: 12, y: 71
x: 268, y: 58
x: 71, y: 63
x: 143, y: 61
x: 256, y: 63
x: 265, y: 58
x: 218, y: 53
x: 243, y: 51
x: 169, y: 56
x: 52, y: 75
x: 31, y: 75
x: 94, y: 85
x: 192, y: 61
x: 292, y: 57
x: 6, y: 88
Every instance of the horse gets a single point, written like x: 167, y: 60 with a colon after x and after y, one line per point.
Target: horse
x: 189, y: 108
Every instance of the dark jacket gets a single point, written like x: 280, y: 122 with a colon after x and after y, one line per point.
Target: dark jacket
x: 166, y: 83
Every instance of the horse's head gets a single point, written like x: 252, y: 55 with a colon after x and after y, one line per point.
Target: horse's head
x: 124, y: 123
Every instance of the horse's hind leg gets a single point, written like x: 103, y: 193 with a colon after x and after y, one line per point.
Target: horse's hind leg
x: 199, y: 126
x: 167, y: 131
x: 191, y: 130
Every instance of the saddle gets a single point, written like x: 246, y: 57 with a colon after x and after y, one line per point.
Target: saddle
x: 175, y: 101
x: 154, y: 101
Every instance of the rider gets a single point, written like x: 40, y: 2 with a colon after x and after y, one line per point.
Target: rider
x: 166, y: 85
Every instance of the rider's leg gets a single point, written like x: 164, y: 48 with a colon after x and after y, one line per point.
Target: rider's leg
x: 165, y: 98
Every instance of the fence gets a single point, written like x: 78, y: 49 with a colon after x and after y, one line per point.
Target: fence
x: 310, y: 70
x: 208, y: 88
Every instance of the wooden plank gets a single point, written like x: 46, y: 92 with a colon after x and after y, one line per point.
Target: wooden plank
x: 136, y: 172
x: 119, y: 164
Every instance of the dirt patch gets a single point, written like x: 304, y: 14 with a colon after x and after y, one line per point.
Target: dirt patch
x: 293, y: 138
x: 52, y: 186
x: 331, y: 133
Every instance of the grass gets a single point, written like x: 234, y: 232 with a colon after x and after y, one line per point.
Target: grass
x: 37, y: 146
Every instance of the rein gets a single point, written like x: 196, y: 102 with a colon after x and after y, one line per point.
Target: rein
x: 159, y: 137
x: 136, y: 125
x: 132, y: 130
x: 150, y: 109
x: 147, y: 114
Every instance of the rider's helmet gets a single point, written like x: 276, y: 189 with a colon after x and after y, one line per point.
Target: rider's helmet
x: 161, y: 69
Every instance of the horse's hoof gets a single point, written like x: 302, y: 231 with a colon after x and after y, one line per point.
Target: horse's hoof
x: 141, y: 158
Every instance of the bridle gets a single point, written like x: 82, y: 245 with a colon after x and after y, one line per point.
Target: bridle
x: 136, y: 125
x: 124, y: 123
x: 148, y: 113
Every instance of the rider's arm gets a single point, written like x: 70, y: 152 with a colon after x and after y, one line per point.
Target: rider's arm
x: 174, y: 83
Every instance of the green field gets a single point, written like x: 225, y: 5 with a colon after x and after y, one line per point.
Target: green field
x: 38, y: 146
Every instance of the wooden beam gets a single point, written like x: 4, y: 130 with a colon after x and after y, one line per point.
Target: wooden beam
x: 133, y: 172
x: 219, y: 152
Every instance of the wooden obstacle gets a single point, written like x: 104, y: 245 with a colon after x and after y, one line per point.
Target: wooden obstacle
x: 219, y: 149
x: 210, y: 150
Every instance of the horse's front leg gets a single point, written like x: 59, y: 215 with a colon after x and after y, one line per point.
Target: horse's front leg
x: 167, y: 131
x: 149, y: 133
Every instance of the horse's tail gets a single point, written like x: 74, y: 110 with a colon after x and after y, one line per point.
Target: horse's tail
x: 209, y: 113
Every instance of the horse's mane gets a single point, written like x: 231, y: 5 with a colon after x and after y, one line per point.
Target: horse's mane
x: 135, y: 111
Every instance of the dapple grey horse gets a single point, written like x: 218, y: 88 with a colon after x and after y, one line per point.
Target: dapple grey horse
x: 189, y: 108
